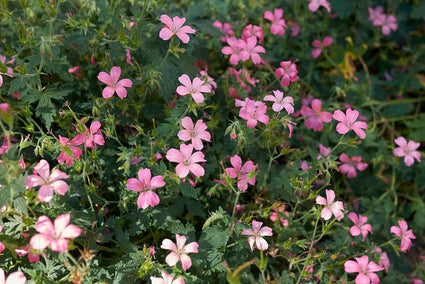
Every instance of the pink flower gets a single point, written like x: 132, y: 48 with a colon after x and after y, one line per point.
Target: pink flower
x: 208, y: 79
x: 128, y: 57
x: 166, y: 279
x: 278, y: 24
x: 319, y: 45
x: 186, y: 160
x: 252, y: 111
x: 252, y: 31
x: 365, y: 269
x: 144, y: 184
x: 251, y: 50
x: 417, y: 281
x: 278, y: 209
x: 388, y: 24
x: 180, y: 251
x: 295, y: 29
x: 280, y: 102
x: 243, y: 77
x: 360, y: 226
x: 384, y: 260
x: 407, y: 150
x: 255, y: 235
x: 56, y: 236
x: 195, y: 89
x: 16, y: 277
x: 241, y: 172
x: 288, y: 71
x: 90, y: 136
x: 175, y: 27
x: 325, y: 151
x: 48, y: 182
x: 195, y: 134
x: 1, y: 244
x: 113, y: 84
x: 68, y: 152
x: 226, y: 28
x: 9, y: 70
x: 376, y: 15
x: 405, y: 235
x: 315, y: 117
x: 315, y: 4
x: 236, y: 46
x: 349, y: 166
x: 331, y: 207
x: 22, y: 251
x: 348, y: 122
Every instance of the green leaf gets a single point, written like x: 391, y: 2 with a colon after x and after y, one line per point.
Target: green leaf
x: 188, y: 191
x: 213, y: 238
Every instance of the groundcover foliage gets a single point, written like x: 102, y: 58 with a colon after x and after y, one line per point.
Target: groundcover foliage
x: 212, y: 141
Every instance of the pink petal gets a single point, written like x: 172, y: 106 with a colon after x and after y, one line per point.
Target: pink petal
x: 60, y: 245
x: 351, y: 266
x: 339, y: 115
x: 43, y: 169
x: 156, y: 182
x: 61, y: 222
x: 182, y: 171
x: 165, y: 33
x: 33, y: 181
x: 134, y: 184
x: 197, y: 170
x: 17, y: 277
x: 326, y: 213
x: 186, y: 261
x: 187, y: 123
x: 40, y: 241
x: 172, y: 259
x: 174, y: 155
x: 321, y: 200
x: 71, y: 232
x: 168, y: 244
x: 121, y: 92
x: 166, y: 20
x: 115, y: 74
x: 261, y: 243
x: 45, y: 193
x: 105, y: 78
x: 60, y: 187
x: 191, y: 248
x: 108, y: 92
x: 147, y: 199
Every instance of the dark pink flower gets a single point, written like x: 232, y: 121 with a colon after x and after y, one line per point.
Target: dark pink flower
x: 407, y: 150
x: 145, y: 184
x: 252, y: 31
x: 179, y: 251
x: 252, y: 111
x: 187, y: 162
x: 255, y: 235
x: 319, y: 45
x: 360, y: 226
x: 195, y: 88
x: 175, y: 27
x: 365, y: 269
x: 315, y: 117
x: 405, y: 235
x: 90, y: 136
x: 288, y: 71
x: 236, y: 46
x: 348, y: 122
x: 278, y: 209
x: 251, y: 50
x: 349, y: 166
x: 278, y: 24
x: 241, y: 172
x: 315, y: 4
x: 69, y: 152
x: 281, y: 102
x: 195, y: 133
x: 336, y: 208
x: 113, y: 84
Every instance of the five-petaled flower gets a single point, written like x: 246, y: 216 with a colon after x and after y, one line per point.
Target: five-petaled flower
x: 288, y: 71
x: 195, y: 88
x: 48, y: 182
x: 175, y: 27
x: 405, y: 235
x: 251, y: 50
x: 241, y: 172
x: 90, y: 136
x: 16, y: 277
x: 194, y: 133
x: 255, y: 235
x: 319, y: 45
x: 236, y: 46
x: 365, y: 269
x: 144, y: 184
x: 252, y: 111
x: 315, y: 117
x: 166, y: 279
x: 315, y: 4
x: 407, y: 150
x: 186, y: 160
x: 348, y: 122
x: 278, y: 24
x: 69, y: 152
x: 280, y: 102
x: 360, y: 226
x: 349, y: 166
x: 336, y: 208
x: 179, y: 251
x: 56, y: 236
x: 113, y: 84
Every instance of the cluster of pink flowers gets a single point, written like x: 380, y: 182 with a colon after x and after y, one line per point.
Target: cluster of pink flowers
x: 379, y: 18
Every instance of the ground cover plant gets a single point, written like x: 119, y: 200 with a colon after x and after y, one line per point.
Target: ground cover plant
x: 212, y: 141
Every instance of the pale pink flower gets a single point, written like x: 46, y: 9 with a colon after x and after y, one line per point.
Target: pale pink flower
x: 69, y: 152
x: 113, y: 84
x: 407, y: 150
x: 280, y: 102
x: 187, y: 162
x: 195, y: 134
x: 324, y: 152
x: 16, y: 277
x: 208, y: 79
x: 175, y: 27
x: 236, y: 46
x: 56, y: 236
x: 252, y: 31
x: 278, y: 24
x: 348, y: 122
x: 180, y: 251
x: 251, y: 51
x: 376, y: 15
x: 349, y: 166
x: 288, y: 71
x: 383, y: 259
x: 166, y: 279
x: 90, y: 136
x: 195, y: 88
x: 241, y: 172
x: 405, y: 235
x: 226, y: 28
x: 360, y: 226
x: 145, y: 184
x: 315, y: 117
x: 319, y: 45
x: 278, y: 209
x: 388, y: 24
x: 336, y: 208
x: 314, y: 5
x: 365, y: 269
x: 252, y: 111
x: 47, y: 182
x: 255, y: 235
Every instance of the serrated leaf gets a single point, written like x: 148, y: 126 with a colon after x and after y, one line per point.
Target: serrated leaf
x: 213, y: 238
x: 188, y: 191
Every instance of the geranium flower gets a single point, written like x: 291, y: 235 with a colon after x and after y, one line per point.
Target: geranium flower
x: 288, y: 71
x: 315, y: 117
x: 314, y: 5
x: 336, y: 208
x: 48, y: 182
x: 9, y: 70
x: 241, y: 172
x: 365, y: 269
x: 180, y: 251
x: 388, y: 23
x: 278, y: 24
x: 195, y: 134
x: 251, y: 50
x: 67, y: 149
x: 195, y: 88
x: 90, y: 136
x: 186, y: 160
x: 319, y: 45
x: 384, y: 260
x: 277, y: 208
x: 236, y: 46
x: 175, y: 27
x: 144, y: 184
x: 376, y: 15
x: 166, y: 279
x: 348, y: 122
x: 56, y: 236
x: 407, y: 150
x: 324, y: 152
x: 226, y: 28
x: 252, y: 111
x: 22, y: 251
x: 1, y: 244
x: 255, y: 235
x: 113, y: 84
x: 360, y: 226
x: 243, y: 77
x: 280, y: 102
x: 16, y: 277
x: 349, y: 166
x: 252, y: 31
x: 405, y: 235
